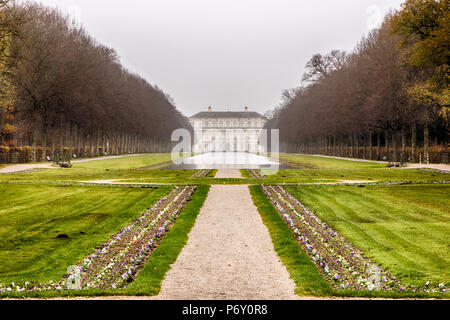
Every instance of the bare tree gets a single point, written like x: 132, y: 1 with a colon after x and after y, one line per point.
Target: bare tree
x: 72, y: 91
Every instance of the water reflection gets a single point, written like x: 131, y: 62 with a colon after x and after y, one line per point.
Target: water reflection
x: 228, y: 160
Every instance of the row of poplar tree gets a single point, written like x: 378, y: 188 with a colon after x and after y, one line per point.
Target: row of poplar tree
x: 62, y: 91
x: 387, y: 99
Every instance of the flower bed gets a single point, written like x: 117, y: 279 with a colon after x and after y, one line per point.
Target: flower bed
x: 201, y: 173
x: 118, y: 261
x: 343, y: 265
x: 256, y: 174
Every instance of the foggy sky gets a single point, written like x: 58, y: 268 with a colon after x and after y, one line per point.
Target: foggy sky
x: 224, y: 53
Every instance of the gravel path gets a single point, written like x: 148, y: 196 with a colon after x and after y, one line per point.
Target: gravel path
x: 229, y: 254
x: 442, y: 166
x: 228, y: 174
x: 438, y: 166
x: 25, y: 167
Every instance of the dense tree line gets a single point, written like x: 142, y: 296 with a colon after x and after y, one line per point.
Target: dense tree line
x: 380, y: 100
x: 64, y: 92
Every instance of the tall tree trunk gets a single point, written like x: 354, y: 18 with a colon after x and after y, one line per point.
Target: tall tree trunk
x: 329, y: 145
x: 85, y: 144
x: 61, y: 132
x: 53, y: 143
x: 75, y: 140
x: 378, y: 146
x: 414, y: 142
x: 334, y: 146
x: 403, y: 139
x: 103, y: 143
x: 139, y: 149
x: 107, y: 134
x: 97, y: 143
x: 426, y: 142
x: 121, y: 151
x: 394, y: 145
x: 91, y: 141
x: 386, y: 148
x: 111, y: 139
x: 365, y: 146
x: 116, y: 143
x: 404, y: 155
x: 33, y: 146
x: 357, y: 146
x: 44, y: 144
x: 70, y: 141
x: 352, y: 147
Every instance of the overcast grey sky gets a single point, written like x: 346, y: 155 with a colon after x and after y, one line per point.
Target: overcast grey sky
x: 225, y: 52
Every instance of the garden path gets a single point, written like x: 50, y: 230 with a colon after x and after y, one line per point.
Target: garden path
x: 228, y: 174
x: 437, y: 166
x: 229, y: 254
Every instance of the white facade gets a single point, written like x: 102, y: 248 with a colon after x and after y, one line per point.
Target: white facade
x: 227, y: 131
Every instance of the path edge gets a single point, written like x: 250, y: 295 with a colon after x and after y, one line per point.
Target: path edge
x: 308, y: 281
x: 149, y: 281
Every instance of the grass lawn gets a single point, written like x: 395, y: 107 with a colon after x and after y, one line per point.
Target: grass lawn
x: 150, y: 278
x: 297, y: 176
x: 130, y: 162
x: 326, y: 170
x: 32, y: 215
x: 302, y: 270
x: 212, y: 173
x: 184, y: 176
x: 405, y: 228
x: 314, y: 162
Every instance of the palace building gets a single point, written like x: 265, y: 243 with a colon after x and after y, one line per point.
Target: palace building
x: 227, y: 131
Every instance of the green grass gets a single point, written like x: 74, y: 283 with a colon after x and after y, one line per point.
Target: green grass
x: 245, y: 173
x: 404, y: 228
x: 212, y: 173
x: 32, y: 215
x: 315, y: 162
x: 285, y: 176
x: 126, y: 162
x: 302, y: 270
x: 151, y: 277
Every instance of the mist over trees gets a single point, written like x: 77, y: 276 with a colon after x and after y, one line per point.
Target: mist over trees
x: 63, y: 91
x: 380, y: 100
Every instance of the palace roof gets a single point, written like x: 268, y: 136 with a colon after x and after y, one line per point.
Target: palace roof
x: 227, y: 114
